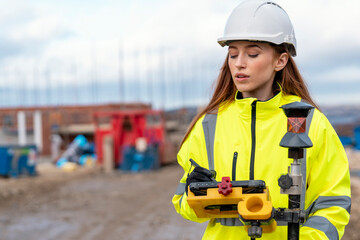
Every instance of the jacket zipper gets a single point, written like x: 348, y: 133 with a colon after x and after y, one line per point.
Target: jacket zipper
x: 253, y: 139
x: 234, y: 166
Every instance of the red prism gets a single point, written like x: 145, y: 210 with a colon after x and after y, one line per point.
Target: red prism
x: 296, y: 125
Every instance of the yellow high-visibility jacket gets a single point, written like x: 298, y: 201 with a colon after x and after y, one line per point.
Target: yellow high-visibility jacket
x: 254, y: 130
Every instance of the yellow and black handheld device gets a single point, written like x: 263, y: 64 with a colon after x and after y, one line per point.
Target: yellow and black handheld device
x: 247, y: 200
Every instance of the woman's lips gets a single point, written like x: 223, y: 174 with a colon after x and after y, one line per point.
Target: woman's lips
x: 241, y: 76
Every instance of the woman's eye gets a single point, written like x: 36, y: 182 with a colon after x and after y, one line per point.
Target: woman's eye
x: 233, y: 56
x: 253, y: 55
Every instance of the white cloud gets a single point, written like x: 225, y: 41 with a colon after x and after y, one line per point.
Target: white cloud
x: 39, y: 29
x: 323, y: 27
x: 344, y: 74
x: 181, y: 30
x: 335, y: 99
x: 182, y: 33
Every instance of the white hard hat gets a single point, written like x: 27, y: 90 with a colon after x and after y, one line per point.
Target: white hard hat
x: 259, y: 20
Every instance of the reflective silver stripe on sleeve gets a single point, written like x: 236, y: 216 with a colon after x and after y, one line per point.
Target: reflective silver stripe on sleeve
x: 209, y: 126
x: 329, y: 201
x: 324, y: 225
x: 230, y: 222
x: 180, y: 189
x: 181, y: 201
x: 303, y: 163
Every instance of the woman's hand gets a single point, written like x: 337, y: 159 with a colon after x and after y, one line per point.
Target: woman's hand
x: 199, y: 174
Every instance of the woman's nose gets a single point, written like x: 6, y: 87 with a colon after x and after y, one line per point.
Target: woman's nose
x: 240, y: 61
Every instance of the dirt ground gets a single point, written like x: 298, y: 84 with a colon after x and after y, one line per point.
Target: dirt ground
x: 89, y: 204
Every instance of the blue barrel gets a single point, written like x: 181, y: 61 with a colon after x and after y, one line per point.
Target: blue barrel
x: 23, y: 160
x: 5, y: 162
x: 346, y: 141
x: 18, y: 160
x: 357, y: 137
x: 74, y: 150
x: 128, y: 158
x: 135, y: 161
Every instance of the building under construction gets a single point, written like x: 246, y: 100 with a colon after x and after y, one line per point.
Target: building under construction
x: 36, y: 125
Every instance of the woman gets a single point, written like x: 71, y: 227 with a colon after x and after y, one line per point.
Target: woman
x: 239, y: 132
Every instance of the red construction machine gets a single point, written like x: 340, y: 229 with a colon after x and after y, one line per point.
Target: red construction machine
x: 126, y: 128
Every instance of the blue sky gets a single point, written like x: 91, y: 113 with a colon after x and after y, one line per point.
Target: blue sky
x: 164, y: 52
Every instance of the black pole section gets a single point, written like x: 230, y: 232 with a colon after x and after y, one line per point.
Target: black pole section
x: 293, y: 228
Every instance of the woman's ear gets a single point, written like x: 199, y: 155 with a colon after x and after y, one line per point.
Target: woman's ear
x: 281, y: 61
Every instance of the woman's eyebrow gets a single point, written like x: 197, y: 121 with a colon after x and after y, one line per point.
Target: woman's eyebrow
x: 253, y: 45
x: 247, y: 46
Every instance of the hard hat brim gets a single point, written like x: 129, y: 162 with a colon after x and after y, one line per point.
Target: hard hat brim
x: 224, y: 41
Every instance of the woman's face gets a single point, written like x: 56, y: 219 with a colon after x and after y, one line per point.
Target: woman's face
x: 253, y: 66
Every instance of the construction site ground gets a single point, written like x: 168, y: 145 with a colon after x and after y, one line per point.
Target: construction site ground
x: 89, y: 204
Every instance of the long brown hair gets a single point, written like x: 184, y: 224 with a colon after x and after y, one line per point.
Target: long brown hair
x: 289, y: 78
